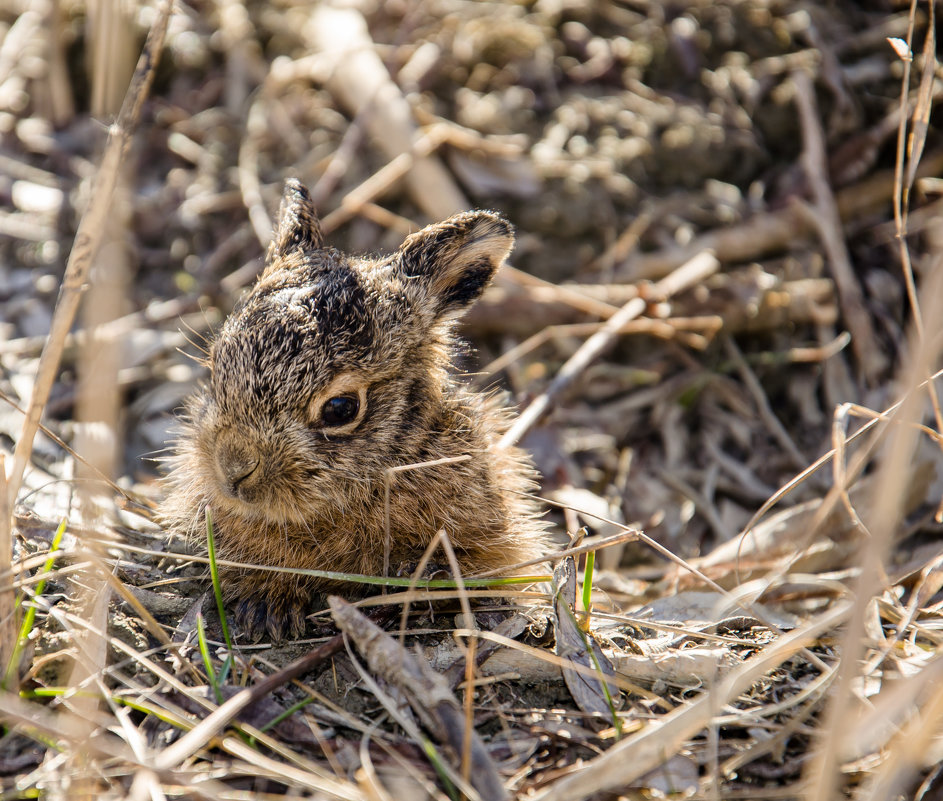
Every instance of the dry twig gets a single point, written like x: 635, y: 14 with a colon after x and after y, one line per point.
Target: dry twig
x: 687, y: 275
x: 427, y: 691
x: 871, y: 358
x: 359, y: 78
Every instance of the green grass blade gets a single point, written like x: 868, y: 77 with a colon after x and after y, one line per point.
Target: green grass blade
x: 218, y: 594
x: 207, y: 659
x: 30, y: 617
x: 588, y: 585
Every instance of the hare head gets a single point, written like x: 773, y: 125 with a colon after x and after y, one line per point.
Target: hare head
x: 327, y: 373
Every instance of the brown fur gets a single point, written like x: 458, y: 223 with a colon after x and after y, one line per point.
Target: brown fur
x: 286, y: 489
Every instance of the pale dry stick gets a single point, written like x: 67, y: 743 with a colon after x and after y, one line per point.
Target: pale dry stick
x: 690, y: 273
x: 20, y: 225
x: 247, y: 168
x: 384, y: 218
x: 819, y: 353
x: 891, y: 478
x: 763, y: 233
x: 360, y: 78
x: 509, y: 146
x: 89, y: 660
x: 624, y: 244
x: 366, y: 773
x: 539, y: 655
x: 678, y: 328
x: 118, y: 328
x: 339, y: 161
x: 902, y: 189
x: 839, y: 479
x: 112, y: 54
x: 23, y: 566
x: 681, y: 329
x: 24, y: 28
x: 236, y: 34
x: 900, y: 204
x: 776, y: 428
x: 16, y: 170
x: 925, y: 98
x: 98, y: 401
x: 384, y: 178
x: 571, y: 296
x: 923, y: 219
x: 87, y: 239
x: 743, y: 299
x: 640, y: 753
x: 827, y: 220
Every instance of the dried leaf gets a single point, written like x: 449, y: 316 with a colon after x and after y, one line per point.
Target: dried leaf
x: 572, y: 643
x: 921, y: 119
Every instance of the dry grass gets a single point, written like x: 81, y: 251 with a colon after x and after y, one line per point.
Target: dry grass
x: 764, y: 502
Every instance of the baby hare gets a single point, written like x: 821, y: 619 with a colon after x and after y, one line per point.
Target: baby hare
x: 333, y: 370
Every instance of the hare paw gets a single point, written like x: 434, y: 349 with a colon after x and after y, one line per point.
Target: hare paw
x: 279, y: 618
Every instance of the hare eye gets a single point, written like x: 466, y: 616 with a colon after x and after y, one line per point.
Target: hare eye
x: 340, y: 410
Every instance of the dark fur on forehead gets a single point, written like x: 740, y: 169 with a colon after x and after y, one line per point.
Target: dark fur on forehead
x: 291, y: 336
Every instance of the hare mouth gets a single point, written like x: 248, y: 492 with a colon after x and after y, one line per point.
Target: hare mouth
x: 262, y: 503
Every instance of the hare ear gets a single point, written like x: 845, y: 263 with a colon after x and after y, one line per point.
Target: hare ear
x: 298, y: 227
x: 448, y: 265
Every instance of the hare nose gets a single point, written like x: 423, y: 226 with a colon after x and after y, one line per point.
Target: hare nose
x: 236, y: 462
